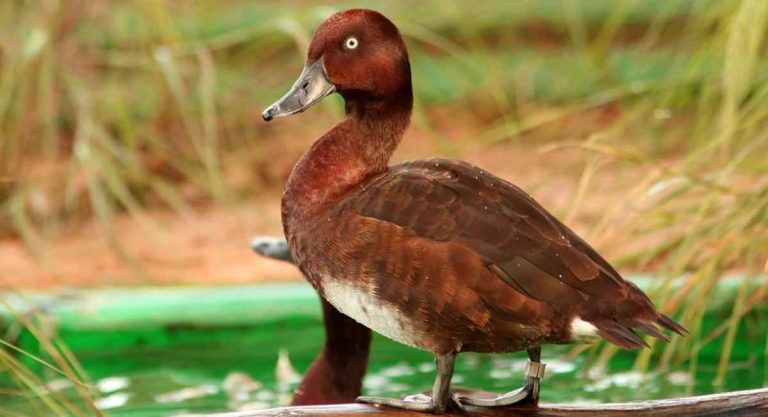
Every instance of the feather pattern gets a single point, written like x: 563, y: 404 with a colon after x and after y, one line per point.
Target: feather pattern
x: 505, y: 235
x: 438, y: 253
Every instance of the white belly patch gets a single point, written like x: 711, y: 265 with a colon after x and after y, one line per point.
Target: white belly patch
x: 363, y: 306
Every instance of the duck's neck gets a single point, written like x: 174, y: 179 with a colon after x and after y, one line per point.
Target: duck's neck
x: 355, y: 149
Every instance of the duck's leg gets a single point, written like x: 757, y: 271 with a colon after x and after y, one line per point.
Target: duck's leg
x: 529, y: 393
x: 441, y: 398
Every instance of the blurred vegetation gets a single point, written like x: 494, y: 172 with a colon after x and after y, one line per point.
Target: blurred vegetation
x: 118, y: 106
x: 112, y: 106
x: 43, y: 391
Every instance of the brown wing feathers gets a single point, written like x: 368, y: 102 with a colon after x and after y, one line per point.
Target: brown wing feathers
x: 519, y: 241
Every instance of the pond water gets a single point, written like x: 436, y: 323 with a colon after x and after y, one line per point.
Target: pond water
x: 228, y: 368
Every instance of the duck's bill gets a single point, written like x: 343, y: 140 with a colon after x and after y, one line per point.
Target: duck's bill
x: 311, y: 87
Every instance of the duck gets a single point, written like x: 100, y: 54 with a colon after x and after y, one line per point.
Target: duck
x: 336, y: 374
x: 436, y: 254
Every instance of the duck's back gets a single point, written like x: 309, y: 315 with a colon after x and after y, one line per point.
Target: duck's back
x: 472, y: 257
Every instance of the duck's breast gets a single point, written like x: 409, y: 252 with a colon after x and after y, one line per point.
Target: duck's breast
x: 361, y: 302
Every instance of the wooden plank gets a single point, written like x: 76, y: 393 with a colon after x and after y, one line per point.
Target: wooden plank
x: 738, y: 403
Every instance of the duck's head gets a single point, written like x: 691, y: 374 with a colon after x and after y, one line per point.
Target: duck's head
x: 358, y: 53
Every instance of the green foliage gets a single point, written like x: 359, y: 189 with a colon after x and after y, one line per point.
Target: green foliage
x: 711, y: 206
x: 107, y: 106
x: 54, y: 358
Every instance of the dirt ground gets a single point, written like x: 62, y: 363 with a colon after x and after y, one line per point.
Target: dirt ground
x: 211, y: 245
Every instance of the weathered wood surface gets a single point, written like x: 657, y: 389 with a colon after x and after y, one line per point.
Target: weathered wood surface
x: 739, y: 403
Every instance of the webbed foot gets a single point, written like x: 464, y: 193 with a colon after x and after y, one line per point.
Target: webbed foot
x: 416, y: 402
x: 528, y: 394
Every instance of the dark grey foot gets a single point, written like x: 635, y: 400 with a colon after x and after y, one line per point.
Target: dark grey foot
x: 528, y: 394
x: 417, y: 402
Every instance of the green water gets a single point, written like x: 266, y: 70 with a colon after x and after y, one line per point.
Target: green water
x: 193, y: 366
x: 236, y: 370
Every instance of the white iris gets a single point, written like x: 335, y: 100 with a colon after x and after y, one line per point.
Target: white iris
x: 351, y: 43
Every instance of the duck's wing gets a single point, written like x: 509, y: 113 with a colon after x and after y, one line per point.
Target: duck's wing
x: 518, y: 240
x: 522, y: 243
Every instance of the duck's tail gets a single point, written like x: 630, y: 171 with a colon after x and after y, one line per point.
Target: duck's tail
x: 623, y: 333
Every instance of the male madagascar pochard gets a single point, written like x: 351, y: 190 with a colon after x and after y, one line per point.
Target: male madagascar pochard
x: 436, y: 254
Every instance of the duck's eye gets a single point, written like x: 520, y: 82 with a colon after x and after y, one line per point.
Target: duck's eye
x: 351, y: 43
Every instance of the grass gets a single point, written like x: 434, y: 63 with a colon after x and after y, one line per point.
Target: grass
x: 95, y: 124
x: 55, y: 362
x: 712, y: 206
x: 111, y: 107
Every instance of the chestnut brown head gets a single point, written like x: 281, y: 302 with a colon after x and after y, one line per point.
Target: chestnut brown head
x: 358, y: 53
